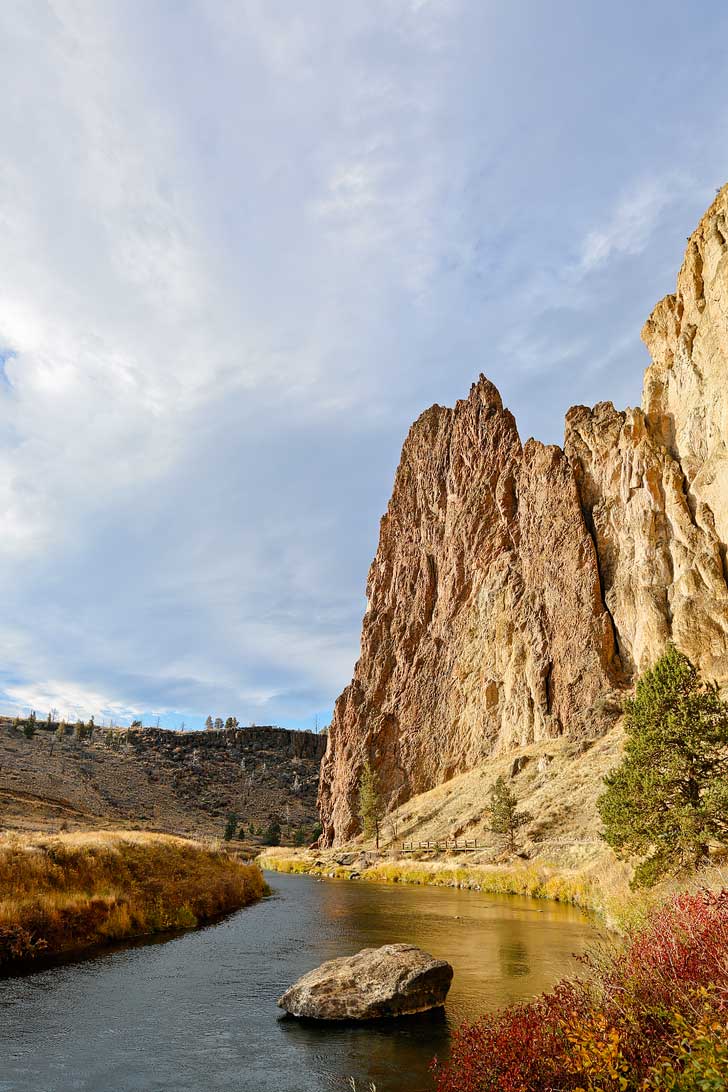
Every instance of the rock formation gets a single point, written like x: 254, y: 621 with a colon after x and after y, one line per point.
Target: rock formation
x: 516, y: 588
x: 376, y: 983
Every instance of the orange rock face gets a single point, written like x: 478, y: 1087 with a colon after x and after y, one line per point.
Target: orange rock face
x: 515, y: 588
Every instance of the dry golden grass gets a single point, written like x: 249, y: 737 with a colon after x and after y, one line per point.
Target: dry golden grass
x: 67, y: 892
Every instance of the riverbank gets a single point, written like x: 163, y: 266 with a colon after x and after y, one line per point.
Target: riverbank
x: 67, y: 892
x: 601, y: 886
x: 596, y: 887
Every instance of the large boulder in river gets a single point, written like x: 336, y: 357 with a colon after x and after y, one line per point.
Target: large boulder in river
x: 395, y: 980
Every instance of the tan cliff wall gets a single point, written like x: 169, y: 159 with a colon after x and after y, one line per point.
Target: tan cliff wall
x: 518, y: 588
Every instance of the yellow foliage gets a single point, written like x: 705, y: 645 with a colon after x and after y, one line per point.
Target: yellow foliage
x: 595, y: 1053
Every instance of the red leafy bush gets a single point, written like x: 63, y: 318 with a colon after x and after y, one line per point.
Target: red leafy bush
x: 610, y: 1032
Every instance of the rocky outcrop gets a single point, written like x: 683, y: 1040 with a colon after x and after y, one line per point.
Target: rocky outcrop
x: 374, y: 984
x: 515, y: 588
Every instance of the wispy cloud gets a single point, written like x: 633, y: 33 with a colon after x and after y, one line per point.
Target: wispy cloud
x: 633, y: 221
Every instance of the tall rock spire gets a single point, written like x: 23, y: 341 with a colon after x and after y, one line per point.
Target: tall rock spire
x: 515, y: 587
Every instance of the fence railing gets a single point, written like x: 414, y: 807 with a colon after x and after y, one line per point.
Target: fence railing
x: 467, y: 845
x: 457, y: 845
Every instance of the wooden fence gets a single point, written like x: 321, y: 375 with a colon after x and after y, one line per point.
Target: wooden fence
x: 467, y: 845
x: 457, y: 845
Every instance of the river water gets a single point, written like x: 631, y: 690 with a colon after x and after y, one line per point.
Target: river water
x: 197, y: 1013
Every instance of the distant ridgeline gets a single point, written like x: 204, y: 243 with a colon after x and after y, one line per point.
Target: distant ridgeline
x: 185, y: 782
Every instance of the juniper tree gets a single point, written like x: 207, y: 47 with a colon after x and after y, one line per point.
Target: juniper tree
x: 230, y: 826
x: 503, y: 815
x: 371, y: 808
x: 668, y: 799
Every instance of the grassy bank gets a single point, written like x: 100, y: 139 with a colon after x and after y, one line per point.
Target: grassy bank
x: 68, y: 892
x: 588, y: 888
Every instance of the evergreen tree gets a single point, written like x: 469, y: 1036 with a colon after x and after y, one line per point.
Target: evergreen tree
x: 208, y: 724
x: 371, y: 808
x: 231, y: 724
x: 503, y: 815
x: 230, y: 826
x: 218, y: 724
x: 273, y: 833
x: 669, y: 797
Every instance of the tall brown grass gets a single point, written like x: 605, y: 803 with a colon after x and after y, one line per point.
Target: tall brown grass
x: 67, y: 892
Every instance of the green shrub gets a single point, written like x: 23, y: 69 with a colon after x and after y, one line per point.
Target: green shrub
x: 371, y: 805
x: 668, y: 799
x: 503, y: 815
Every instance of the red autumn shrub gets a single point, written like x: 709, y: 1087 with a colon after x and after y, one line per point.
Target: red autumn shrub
x: 516, y: 1050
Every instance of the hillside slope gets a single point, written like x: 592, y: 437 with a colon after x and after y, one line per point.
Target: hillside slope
x: 181, y: 782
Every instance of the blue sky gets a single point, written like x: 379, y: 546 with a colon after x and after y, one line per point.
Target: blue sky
x: 244, y: 246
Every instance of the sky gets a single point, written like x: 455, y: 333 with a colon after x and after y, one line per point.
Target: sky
x: 244, y: 246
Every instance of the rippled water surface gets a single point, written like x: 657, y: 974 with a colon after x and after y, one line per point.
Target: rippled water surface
x: 198, y: 1013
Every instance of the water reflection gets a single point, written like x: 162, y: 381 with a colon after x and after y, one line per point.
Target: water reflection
x: 513, y: 959
x: 392, y: 1056
x: 199, y: 1013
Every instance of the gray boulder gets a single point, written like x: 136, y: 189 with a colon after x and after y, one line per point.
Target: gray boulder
x: 395, y: 980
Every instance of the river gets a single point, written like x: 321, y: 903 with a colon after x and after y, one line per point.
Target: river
x: 197, y: 1013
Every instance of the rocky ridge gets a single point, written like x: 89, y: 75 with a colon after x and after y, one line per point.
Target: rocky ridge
x: 518, y: 589
x: 180, y: 782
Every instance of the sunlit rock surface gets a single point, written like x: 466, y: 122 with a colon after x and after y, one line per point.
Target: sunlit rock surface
x: 376, y: 983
